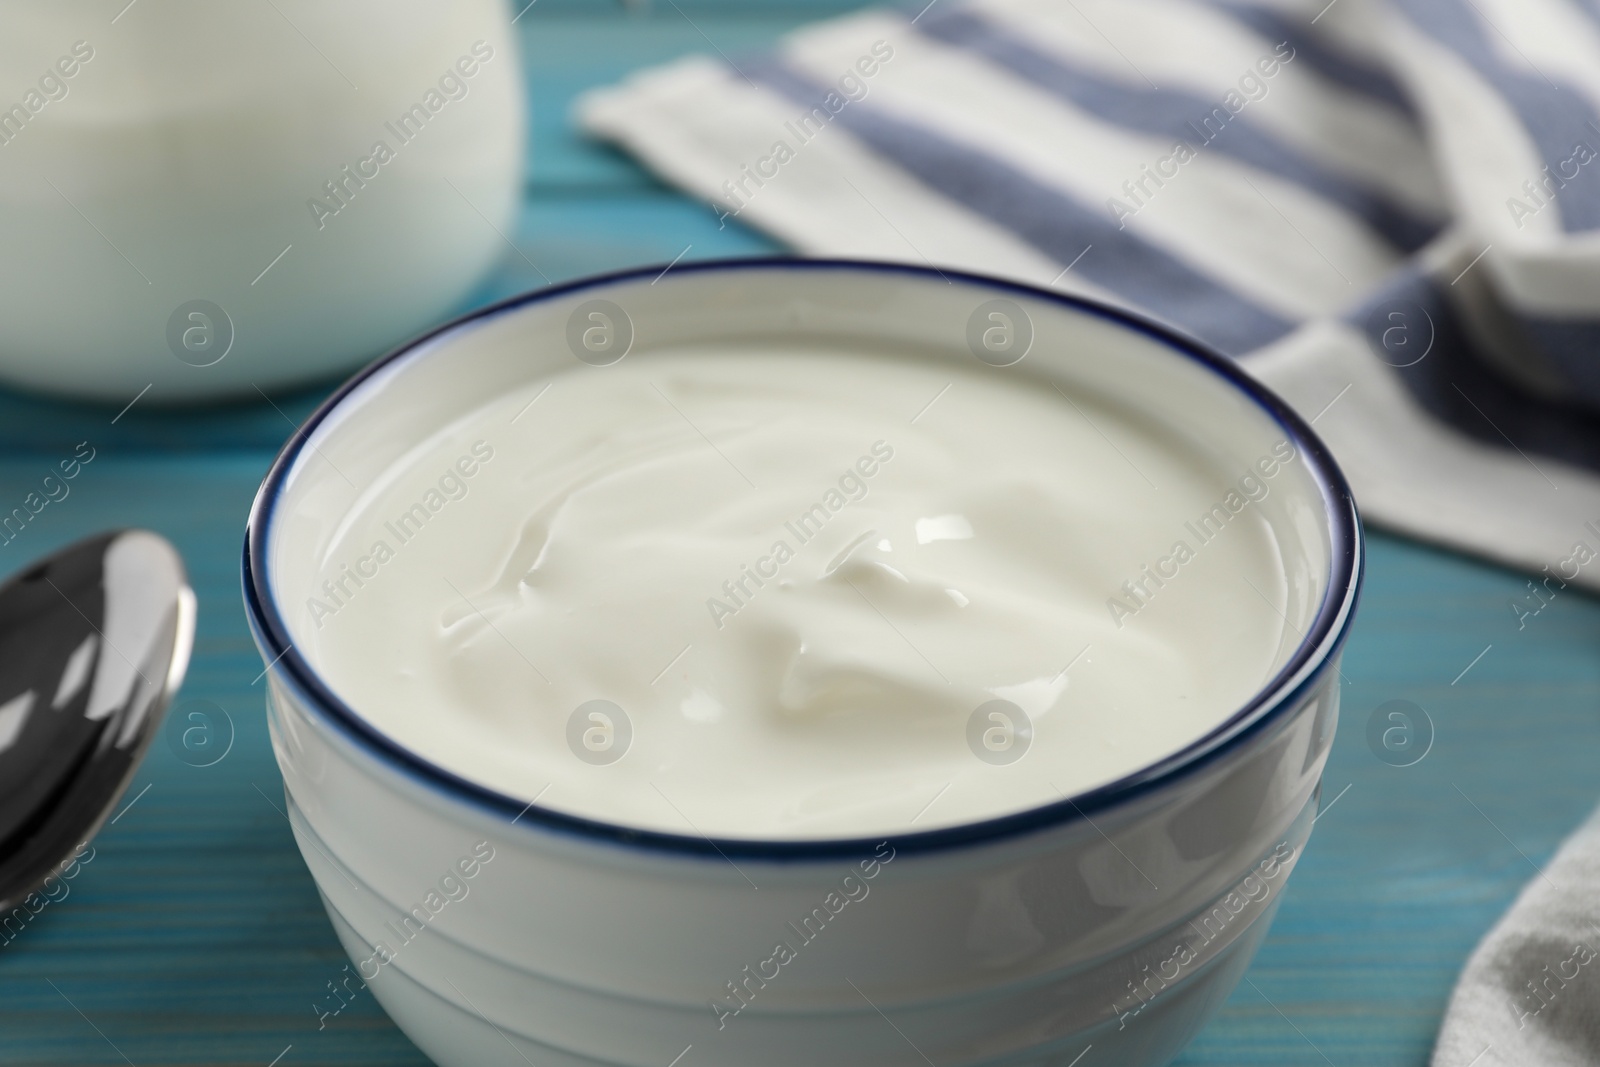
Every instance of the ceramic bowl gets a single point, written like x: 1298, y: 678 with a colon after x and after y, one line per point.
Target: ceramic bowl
x: 496, y: 931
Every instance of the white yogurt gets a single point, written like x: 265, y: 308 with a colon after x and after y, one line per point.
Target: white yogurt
x: 797, y: 583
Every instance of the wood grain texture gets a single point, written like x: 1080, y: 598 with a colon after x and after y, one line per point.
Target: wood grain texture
x: 195, y: 935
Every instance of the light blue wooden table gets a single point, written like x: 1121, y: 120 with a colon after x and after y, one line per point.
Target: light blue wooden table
x: 195, y: 936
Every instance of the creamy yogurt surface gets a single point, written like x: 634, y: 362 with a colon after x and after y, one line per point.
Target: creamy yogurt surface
x: 800, y: 593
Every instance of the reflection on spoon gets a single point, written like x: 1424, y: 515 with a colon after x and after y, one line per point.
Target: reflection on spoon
x: 94, y: 641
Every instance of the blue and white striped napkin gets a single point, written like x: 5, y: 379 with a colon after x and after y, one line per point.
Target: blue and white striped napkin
x: 1388, y: 210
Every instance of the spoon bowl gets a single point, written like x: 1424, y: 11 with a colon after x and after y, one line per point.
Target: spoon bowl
x: 94, y: 641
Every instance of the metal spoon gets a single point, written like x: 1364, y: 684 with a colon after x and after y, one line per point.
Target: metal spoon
x: 94, y: 641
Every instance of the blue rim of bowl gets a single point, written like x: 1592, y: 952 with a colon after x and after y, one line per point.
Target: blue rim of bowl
x: 1303, y: 671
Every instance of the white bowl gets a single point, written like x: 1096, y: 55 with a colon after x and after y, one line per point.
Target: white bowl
x: 1121, y: 917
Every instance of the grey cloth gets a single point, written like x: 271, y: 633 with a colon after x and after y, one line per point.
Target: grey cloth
x: 1530, y: 994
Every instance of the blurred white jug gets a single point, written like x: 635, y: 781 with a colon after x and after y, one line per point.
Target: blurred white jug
x: 207, y: 198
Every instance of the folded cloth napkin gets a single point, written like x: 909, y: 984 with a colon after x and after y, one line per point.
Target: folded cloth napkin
x: 1531, y: 992
x: 1388, y: 210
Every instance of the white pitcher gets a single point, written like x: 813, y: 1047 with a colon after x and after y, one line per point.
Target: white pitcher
x: 209, y: 198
